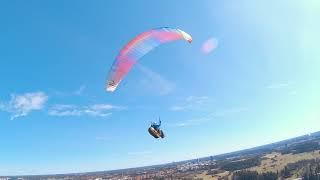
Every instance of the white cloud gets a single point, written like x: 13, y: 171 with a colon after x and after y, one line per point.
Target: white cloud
x: 154, y: 81
x: 104, y: 107
x: 191, y: 103
x: 23, y: 104
x: 97, y: 110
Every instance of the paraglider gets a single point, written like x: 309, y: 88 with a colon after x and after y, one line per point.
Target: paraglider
x: 155, y: 130
x: 137, y: 48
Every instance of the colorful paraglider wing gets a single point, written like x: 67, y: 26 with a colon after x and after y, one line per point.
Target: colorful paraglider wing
x: 138, y: 47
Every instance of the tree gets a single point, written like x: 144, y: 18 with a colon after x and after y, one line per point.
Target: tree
x: 285, y: 172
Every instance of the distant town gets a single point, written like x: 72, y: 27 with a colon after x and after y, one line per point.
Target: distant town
x: 296, y: 158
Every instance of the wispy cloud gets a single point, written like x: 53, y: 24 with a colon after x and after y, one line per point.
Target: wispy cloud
x: 293, y: 93
x: 2, y: 106
x: 22, y: 104
x: 97, y: 110
x: 278, y: 85
x: 191, y: 103
x: 154, y: 81
x: 286, y: 86
x: 139, y: 153
x: 80, y: 90
x: 75, y: 92
x: 177, y: 108
x: 193, y: 122
x: 226, y: 112
x: 197, y: 99
x: 210, y: 117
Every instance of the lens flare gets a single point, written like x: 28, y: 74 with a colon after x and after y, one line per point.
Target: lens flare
x: 209, y: 45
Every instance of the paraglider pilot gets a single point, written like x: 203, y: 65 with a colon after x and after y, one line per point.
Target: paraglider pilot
x: 155, y: 125
x: 155, y: 130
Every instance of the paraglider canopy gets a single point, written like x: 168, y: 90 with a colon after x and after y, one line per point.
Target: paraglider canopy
x: 137, y: 48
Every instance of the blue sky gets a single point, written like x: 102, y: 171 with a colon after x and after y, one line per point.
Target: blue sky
x: 259, y: 85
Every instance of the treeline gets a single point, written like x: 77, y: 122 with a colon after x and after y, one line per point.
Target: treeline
x: 248, y: 152
x: 301, y: 147
x: 311, y: 176
x: 254, y: 175
x: 309, y: 169
x: 240, y: 164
